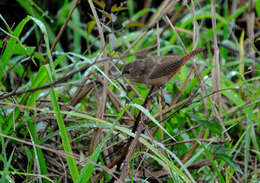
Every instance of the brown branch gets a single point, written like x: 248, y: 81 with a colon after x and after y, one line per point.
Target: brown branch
x: 64, y: 78
x: 61, y: 30
x: 138, y: 128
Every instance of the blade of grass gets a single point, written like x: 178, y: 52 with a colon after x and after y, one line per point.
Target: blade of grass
x: 89, y: 167
x: 248, y: 112
x: 11, y: 45
x: 6, y: 163
x: 40, y: 160
x: 213, y: 162
x: 64, y: 135
x: 242, y: 53
x: 52, y: 77
x: 151, y: 147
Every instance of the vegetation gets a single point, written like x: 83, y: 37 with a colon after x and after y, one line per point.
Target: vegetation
x: 65, y: 116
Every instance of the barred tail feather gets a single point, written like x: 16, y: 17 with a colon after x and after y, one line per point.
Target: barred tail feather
x: 175, y: 67
x: 186, y: 57
x: 192, y: 54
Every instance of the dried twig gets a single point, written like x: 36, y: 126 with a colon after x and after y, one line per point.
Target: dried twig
x: 62, y: 29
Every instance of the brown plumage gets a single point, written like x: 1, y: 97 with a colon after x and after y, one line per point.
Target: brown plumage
x: 156, y: 70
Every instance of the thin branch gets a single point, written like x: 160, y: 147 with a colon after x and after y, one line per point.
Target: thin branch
x: 62, y: 30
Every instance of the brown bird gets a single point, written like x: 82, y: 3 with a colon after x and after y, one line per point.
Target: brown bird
x: 156, y: 70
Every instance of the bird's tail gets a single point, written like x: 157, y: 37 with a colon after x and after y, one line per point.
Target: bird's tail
x: 192, y: 54
x: 176, y: 66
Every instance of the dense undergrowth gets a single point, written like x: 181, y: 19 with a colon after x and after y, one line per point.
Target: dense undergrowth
x: 64, y: 120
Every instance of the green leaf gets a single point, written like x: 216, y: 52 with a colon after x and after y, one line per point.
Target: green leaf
x: 91, y: 25
x: 11, y: 46
x: 64, y: 135
x: 101, y: 3
x: 257, y: 7
x: 212, y: 125
x: 135, y: 24
x: 213, y: 162
x: 116, y: 9
x: 233, y: 96
x: 230, y: 161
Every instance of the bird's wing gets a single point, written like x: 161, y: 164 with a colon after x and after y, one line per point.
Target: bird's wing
x: 166, y: 65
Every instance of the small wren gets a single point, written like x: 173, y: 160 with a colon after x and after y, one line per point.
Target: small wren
x: 156, y: 70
